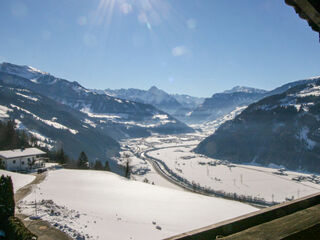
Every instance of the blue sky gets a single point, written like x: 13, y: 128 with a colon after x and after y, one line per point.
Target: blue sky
x: 196, y: 47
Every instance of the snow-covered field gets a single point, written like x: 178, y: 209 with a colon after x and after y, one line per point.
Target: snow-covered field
x: 245, y: 180
x: 102, y: 205
x: 19, y: 180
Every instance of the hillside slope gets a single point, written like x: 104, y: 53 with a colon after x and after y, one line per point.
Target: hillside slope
x: 55, y: 124
x: 282, y: 129
x: 221, y: 104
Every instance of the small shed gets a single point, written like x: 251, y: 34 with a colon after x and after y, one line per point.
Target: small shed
x: 23, y: 159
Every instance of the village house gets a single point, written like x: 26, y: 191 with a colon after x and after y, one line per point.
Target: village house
x: 23, y: 159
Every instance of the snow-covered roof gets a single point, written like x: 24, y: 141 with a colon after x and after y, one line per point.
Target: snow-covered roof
x: 21, y: 152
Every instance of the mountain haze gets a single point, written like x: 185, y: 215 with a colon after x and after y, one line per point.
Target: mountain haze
x: 178, y: 105
x: 223, y: 103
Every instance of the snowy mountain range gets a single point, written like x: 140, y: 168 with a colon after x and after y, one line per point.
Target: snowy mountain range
x: 282, y: 129
x: 244, y: 89
x: 113, y: 117
x: 223, y: 103
x: 153, y: 96
x: 178, y: 105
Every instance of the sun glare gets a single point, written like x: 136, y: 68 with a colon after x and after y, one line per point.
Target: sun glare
x: 147, y: 12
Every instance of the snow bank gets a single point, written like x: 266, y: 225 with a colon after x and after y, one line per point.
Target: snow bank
x: 4, y: 111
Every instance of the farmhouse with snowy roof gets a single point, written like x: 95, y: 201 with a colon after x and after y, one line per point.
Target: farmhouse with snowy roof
x: 23, y: 159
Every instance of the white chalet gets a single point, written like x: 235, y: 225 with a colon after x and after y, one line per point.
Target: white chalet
x: 22, y: 159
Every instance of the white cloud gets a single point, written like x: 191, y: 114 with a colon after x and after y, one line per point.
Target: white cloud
x: 179, y: 51
x: 126, y: 8
x: 191, y: 23
x: 82, y: 21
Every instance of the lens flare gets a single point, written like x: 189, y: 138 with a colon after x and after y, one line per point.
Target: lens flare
x: 150, y: 13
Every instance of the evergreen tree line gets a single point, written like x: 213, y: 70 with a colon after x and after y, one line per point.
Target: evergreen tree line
x: 12, y: 138
x: 82, y: 162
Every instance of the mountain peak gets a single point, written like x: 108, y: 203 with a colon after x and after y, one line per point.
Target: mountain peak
x: 153, y: 88
x: 21, y: 70
x: 245, y: 89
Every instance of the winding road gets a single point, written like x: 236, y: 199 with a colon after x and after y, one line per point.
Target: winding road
x: 162, y: 169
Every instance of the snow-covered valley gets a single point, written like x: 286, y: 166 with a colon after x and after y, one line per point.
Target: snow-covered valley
x: 173, y: 158
x: 159, y: 200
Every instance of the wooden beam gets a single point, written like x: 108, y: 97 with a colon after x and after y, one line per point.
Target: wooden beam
x: 307, y: 11
x: 241, y: 223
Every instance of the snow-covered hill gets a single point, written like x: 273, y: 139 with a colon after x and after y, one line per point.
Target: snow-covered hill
x: 289, y: 85
x: 102, y: 205
x: 282, y: 129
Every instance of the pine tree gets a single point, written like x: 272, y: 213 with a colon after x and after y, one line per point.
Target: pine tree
x: 23, y: 140
x: 6, y: 198
x: 61, y: 157
x: 98, y: 165
x: 107, y: 167
x: 33, y: 141
x: 83, y: 162
x: 11, y: 135
x: 11, y: 138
